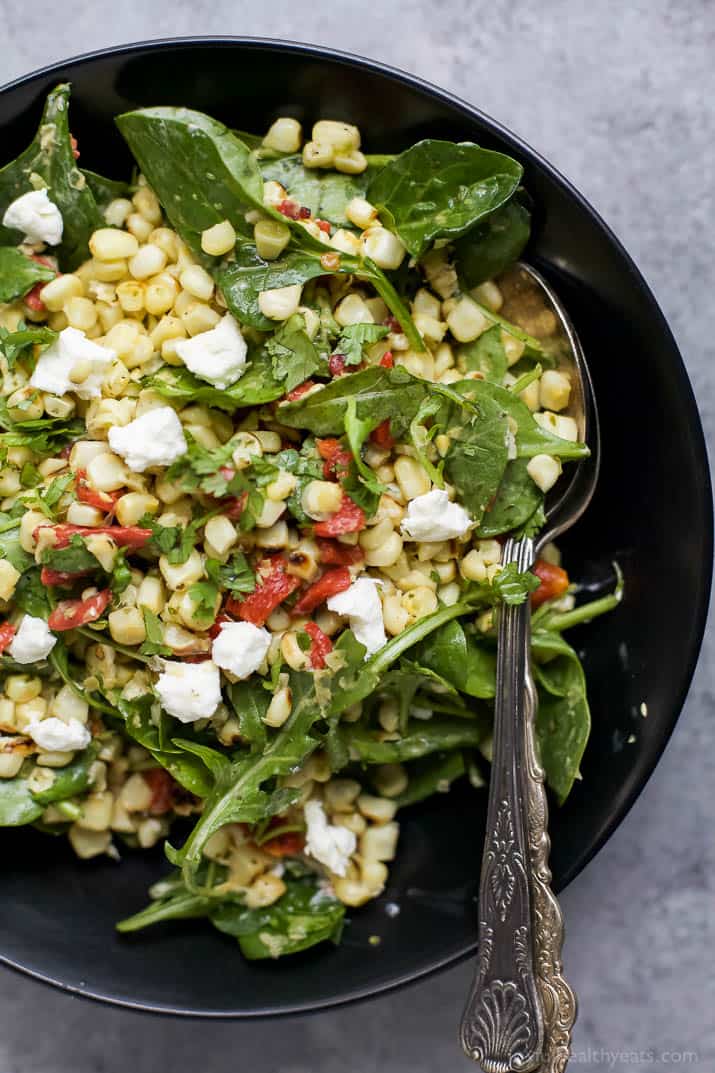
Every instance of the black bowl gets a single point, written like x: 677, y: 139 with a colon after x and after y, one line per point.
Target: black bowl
x: 652, y: 512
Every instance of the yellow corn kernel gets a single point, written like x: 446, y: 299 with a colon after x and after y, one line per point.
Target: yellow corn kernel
x: 554, y: 390
x: 117, y: 211
x: 352, y: 162
x: 220, y: 533
x: 130, y: 295
x: 199, y: 317
x: 9, y: 578
x: 25, y: 404
x: 377, y: 809
x: 284, y: 135
x: 146, y: 202
x: 219, y: 239
x: 353, y: 310
x: 394, y: 615
x: 21, y: 688
x: 136, y: 794
x: 321, y: 499
x: 271, y: 238
x: 411, y: 478
x: 139, y: 226
x: 419, y: 602
x: 339, y: 135
x: 279, y: 709
x: 280, y: 303
x: 147, y: 261
x: 130, y: 508
x: 30, y: 521
x: 197, y: 282
x: 390, y: 779
x: 150, y: 594
x: 108, y: 271
x: 10, y: 764
x: 87, y: 844
x: 513, y: 348
x: 107, y: 472
x: 180, y: 575
x: 169, y: 327
x: 292, y: 653
x: 360, y: 212
x: 96, y: 812
x: 473, y: 567
x: 346, y: 241
x: 466, y: 320
x: 111, y: 244
x: 544, y: 471
x: 166, y: 240
x: 384, y: 247
x: 59, y: 290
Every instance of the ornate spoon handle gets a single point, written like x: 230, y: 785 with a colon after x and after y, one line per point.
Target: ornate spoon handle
x: 502, y: 1026
x: 557, y: 999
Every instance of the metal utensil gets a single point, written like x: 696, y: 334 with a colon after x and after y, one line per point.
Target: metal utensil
x: 521, y: 1010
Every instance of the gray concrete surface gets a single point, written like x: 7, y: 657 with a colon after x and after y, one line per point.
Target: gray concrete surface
x: 621, y: 98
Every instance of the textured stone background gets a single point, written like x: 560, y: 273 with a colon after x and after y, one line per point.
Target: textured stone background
x: 620, y: 97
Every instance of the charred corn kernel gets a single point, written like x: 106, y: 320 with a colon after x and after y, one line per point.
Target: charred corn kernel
x: 136, y: 794
x: 377, y: 809
x: 544, y: 471
x: 109, y: 271
x: 351, y: 163
x: 31, y: 519
x: 269, y: 513
x: 264, y: 891
x: 59, y: 290
x: 133, y: 506
x: 379, y: 842
x: 563, y: 427
x: 7, y: 712
x: 340, y: 795
x: 10, y: 764
x: 279, y: 303
x: 284, y: 135
x: 117, y: 211
x: 360, y: 212
x: 420, y: 601
x: 346, y: 241
x: 513, y: 348
x: 25, y: 404
x: 271, y: 238
x: 390, y: 780
x: 58, y: 407
x: 343, y: 136
x: 466, y: 320
x: 103, y: 548
x: 219, y: 239
x: 279, y: 709
x: 292, y: 653
x: 473, y: 567
x: 273, y: 536
x: 107, y: 472
x: 21, y: 688
x: 87, y: 844
x: 387, y: 553
x: 376, y: 535
x: 321, y: 499
x: 317, y: 155
x: 411, y: 478
x: 121, y: 820
x: 302, y: 561
x: 57, y: 321
x: 96, y: 812
x: 554, y: 390
x: 9, y: 578
x: 530, y: 395
x: 221, y: 534
x: 384, y: 247
x: 112, y: 244
x: 166, y: 240
x: 394, y: 615
x: 179, y: 575
x: 10, y: 482
x: 150, y: 594
x: 489, y: 295
x: 139, y: 226
x: 197, y: 282
x: 353, y: 310
x: 147, y: 261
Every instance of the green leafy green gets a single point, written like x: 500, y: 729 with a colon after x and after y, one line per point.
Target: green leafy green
x: 294, y: 357
x: 361, y: 484
x: 513, y: 586
x: 31, y: 595
x: 250, y: 701
x: 563, y: 721
x: 43, y: 435
x: 517, y: 500
x: 354, y: 337
x: 486, y: 355
x: 148, y: 727
x: 121, y: 575
x: 154, y: 643
x: 19, y: 274
x: 325, y: 193
x: 235, y: 575
x: 432, y: 775
x: 76, y: 558
x: 438, y: 189
x: 19, y: 805
x: 105, y: 190
x: 457, y: 656
x: 493, y: 245
x: 255, y: 387
x: 420, y: 739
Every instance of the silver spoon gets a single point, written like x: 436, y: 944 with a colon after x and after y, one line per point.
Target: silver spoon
x: 521, y: 1010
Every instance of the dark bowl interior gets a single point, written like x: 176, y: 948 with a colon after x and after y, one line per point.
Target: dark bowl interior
x: 652, y: 512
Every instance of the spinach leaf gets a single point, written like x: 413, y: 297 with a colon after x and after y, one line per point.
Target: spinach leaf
x: 432, y: 775
x: 517, y: 500
x: 10, y: 546
x: 485, y: 355
x: 70, y: 780
x: 356, y: 336
x: 19, y: 273
x: 303, y: 916
x: 439, y: 189
x: 50, y: 158
x: 378, y: 393
x: 457, y: 656
x: 421, y: 738
x: 13, y: 344
x: 103, y: 189
x: 200, y: 171
x: 19, y: 805
x: 361, y: 483
x: 153, y: 645
x: 563, y: 721
x: 325, y: 193
x: 478, y: 455
x: 493, y: 245
x: 30, y: 594
x: 293, y: 356
x: 256, y: 386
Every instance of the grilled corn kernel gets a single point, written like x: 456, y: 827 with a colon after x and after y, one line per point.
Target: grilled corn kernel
x: 133, y: 506
x: 147, y: 261
x: 280, y: 303
x: 489, y: 295
x: 563, y: 427
x: 513, y: 348
x: 387, y: 553
x: 360, y: 212
x: 271, y: 238
x: 466, y: 320
x: 180, y: 575
x: 353, y: 310
x: 136, y: 794
x: 321, y: 499
x: 377, y: 809
x: 554, y: 390
x: 67, y: 705
x: 411, y: 478
x: 31, y: 519
x: 279, y: 709
x: 87, y: 844
x: 59, y: 290
x: 21, y: 688
x: 9, y: 578
x: 420, y: 601
x: 343, y: 136
x: 274, y: 536
x: 264, y: 891
x: 544, y: 471
x: 379, y: 842
x: 473, y: 567
x: 292, y: 653
x: 221, y: 534
x: 199, y: 317
x: 352, y: 162
x: 197, y: 282
x: 345, y: 241
x: 117, y: 211
x: 167, y: 240
x: 219, y: 239
x: 317, y: 155
x: 112, y: 244
x: 384, y: 247
x: 530, y: 395
x: 284, y: 135
x: 107, y: 472
x: 25, y: 404
x: 394, y: 615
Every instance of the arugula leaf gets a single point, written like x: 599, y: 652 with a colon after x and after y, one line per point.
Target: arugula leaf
x: 438, y: 189
x: 19, y: 805
x: 493, y: 245
x: 255, y: 387
x: 361, y: 484
x: 50, y: 158
x: 354, y: 337
x: 432, y: 775
x: 43, y: 435
x: 73, y: 559
x: 19, y: 274
x: 144, y: 725
x: 486, y: 355
x: 234, y: 576
x: 154, y: 643
x: 250, y: 701
x: 293, y: 356
x: 513, y: 586
x: 365, y: 745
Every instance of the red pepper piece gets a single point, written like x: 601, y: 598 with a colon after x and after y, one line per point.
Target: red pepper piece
x: 323, y: 225
x: 7, y: 632
x: 336, y: 364
x: 381, y: 437
x: 289, y: 844
x: 387, y: 361
x: 92, y: 496
x: 72, y: 613
x: 32, y: 299
x: 275, y: 585
x: 393, y: 324
x: 349, y: 519
x: 332, y: 553
x: 75, y: 150
x: 297, y: 392
x: 336, y: 459
x: 215, y: 630
x: 320, y: 646
x: 162, y: 788
x: 333, y: 581
x: 48, y: 576
x: 124, y: 536
x: 554, y: 582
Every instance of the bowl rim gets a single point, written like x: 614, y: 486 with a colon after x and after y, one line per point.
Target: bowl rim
x: 520, y: 146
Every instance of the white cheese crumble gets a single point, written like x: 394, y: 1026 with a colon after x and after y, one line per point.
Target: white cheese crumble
x: 189, y: 691
x: 33, y: 641
x: 240, y: 648
x: 55, y: 736
x: 331, y: 845
x: 363, y: 607
x: 72, y: 355
x: 432, y: 517
x: 36, y: 216
x: 154, y: 439
x: 218, y: 356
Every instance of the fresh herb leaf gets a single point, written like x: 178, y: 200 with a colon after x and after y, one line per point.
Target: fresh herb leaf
x: 234, y: 576
x: 121, y: 575
x: 43, y: 436
x: 73, y: 559
x: 513, y: 586
x: 457, y: 656
x: 354, y: 337
x: 250, y: 703
x: 493, y: 245
x: 19, y: 274
x: 204, y: 595
x: 255, y: 387
x: 30, y: 594
x: 154, y: 643
x: 294, y: 358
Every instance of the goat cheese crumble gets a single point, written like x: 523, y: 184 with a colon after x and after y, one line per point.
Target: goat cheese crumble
x: 36, y: 216
x: 57, y: 736
x: 154, y: 439
x: 72, y: 363
x: 240, y: 648
x: 432, y: 517
x: 218, y: 356
x: 333, y: 846
x: 189, y: 691
x: 33, y: 641
x: 363, y: 607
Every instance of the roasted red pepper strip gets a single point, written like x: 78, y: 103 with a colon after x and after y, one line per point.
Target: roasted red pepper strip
x: 381, y: 437
x: 72, y: 613
x: 48, y: 576
x: 75, y: 150
x: 124, y: 536
x: 275, y: 585
x: 554, y: 582
x: 32, y: 299
x: 333, y: 581
x: 349, y: 519
x: 92, y: 496
x: 320, y: 646
x: 333, y: 553
x: 297, y: 392
x: 162, y: 787
x: 336, y: 364
x: 7, y: 632
x: 387, y: 361
x: 336, y: 459
x: 289, y: 844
